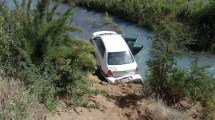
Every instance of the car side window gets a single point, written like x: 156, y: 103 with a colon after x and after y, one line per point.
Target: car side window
x: 100, y: 46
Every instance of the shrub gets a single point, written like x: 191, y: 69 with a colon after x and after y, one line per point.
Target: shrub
x: 170, y: 82
x: 204, y: 25
x: 201, y: 86
x: 199, y: 83
x: 38, y: 49
x: 165, y: 78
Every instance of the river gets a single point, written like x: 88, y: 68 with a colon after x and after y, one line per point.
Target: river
x: 90, y: 21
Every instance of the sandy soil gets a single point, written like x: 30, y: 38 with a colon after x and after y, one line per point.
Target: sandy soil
x: 123, y: 102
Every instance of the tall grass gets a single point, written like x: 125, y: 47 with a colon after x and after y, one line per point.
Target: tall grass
x: 16, y: 103
x: 197, y: 15
x: 159, y: 111
x: 147, y: 12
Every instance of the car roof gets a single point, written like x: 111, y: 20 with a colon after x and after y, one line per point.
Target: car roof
x: 99, y: 33
x: 114, y: 42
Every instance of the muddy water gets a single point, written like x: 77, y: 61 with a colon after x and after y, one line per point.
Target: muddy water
x: 91, y: 21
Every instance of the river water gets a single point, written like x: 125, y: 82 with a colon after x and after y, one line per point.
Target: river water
x: 90, y: 21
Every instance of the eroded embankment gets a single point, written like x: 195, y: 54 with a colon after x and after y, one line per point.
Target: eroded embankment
x: 126, y: 101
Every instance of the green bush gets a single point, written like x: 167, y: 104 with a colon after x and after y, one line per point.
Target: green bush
x: 36, y: 48
x: 204, y: 23
x: 145, y: 12
x: 165, y: 79
x: 199, y: 83
x: 170, y: 82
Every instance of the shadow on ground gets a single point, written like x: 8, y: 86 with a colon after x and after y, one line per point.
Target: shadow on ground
x: 99, y: 74
x: 126, y: 101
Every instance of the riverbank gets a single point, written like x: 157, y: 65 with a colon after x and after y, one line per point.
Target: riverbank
x: 196, y: 16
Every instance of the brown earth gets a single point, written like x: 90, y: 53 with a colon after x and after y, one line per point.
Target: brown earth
x: 126, y: 102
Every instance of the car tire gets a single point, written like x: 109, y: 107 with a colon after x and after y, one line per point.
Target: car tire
x: 100, y: 74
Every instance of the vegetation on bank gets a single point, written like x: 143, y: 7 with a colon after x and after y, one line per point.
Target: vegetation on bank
x: 176, y: 25
x: 197, y: 16
x: 36, y: 49
x: 171, y: 83
x: 39, y: 57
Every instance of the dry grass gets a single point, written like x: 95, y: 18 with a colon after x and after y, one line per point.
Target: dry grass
x: 108, y: 21
x: 159, y: 111
x: 17, y: 103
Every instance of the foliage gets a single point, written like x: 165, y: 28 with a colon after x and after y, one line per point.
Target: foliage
x: 172, y: 83
x: 197, y: 15
x: 199, y: 84
x: 209, y: 109
x: 165, y: 78
x: 36, y: 47
x: 203, y: 23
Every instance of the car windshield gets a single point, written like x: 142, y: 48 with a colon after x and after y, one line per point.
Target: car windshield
x: 120, y: 58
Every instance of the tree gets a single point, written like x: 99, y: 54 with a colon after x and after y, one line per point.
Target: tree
x: 165, y: 79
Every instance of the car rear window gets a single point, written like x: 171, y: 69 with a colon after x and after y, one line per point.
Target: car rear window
x: 120, y: 58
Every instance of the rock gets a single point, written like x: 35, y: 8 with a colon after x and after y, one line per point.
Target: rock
x: 103, y: 83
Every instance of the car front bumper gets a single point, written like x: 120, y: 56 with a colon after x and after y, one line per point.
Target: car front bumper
x: 130, y: 78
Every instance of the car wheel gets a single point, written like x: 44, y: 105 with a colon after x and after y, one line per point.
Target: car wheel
x: 100, y: 74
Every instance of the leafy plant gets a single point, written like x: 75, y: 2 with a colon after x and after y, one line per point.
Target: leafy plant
x: 165, y: 78
x: 37, y: 49
x: 203, y: 23
x: 172, y: 83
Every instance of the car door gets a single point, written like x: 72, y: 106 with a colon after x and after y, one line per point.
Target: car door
x: 100, y: 51
x: 131, y: 39
x: 96, y: 53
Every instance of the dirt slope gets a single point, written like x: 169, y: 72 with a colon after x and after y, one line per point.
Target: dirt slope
x: 123, y: 102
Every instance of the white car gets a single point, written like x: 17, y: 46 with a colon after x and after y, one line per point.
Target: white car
x: 114, y: 57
